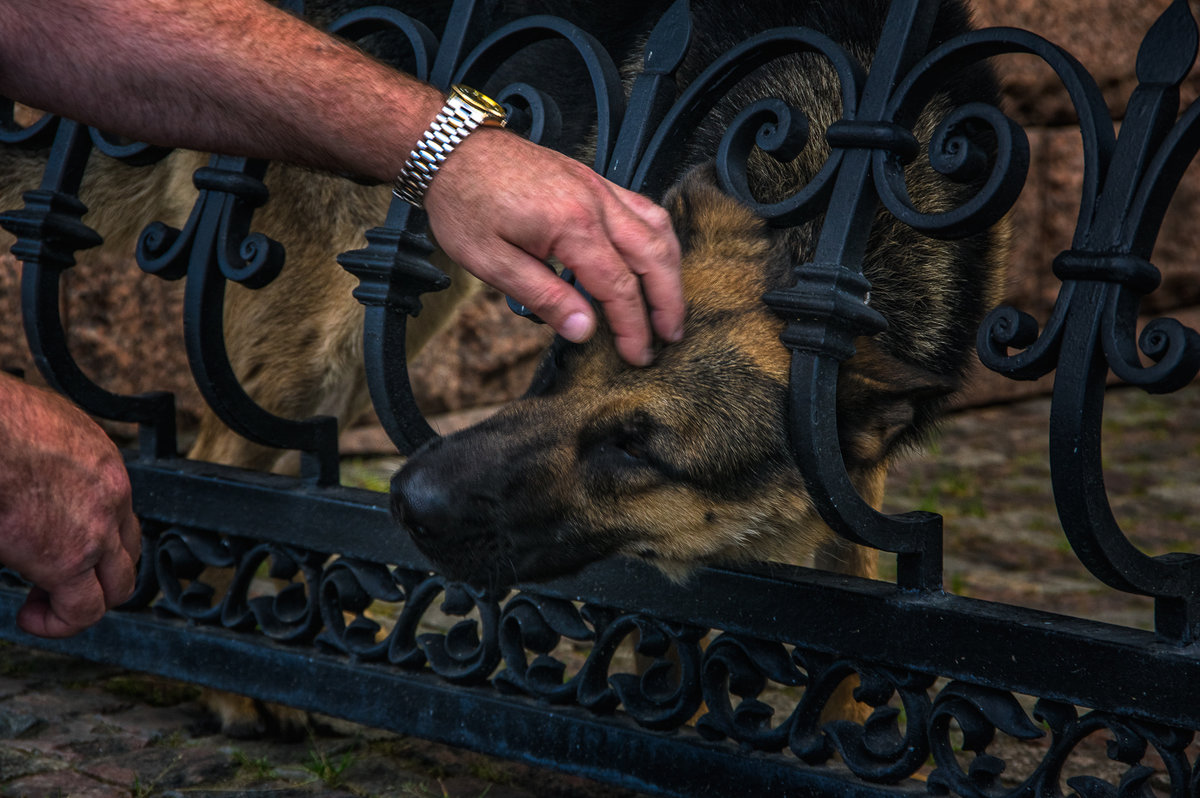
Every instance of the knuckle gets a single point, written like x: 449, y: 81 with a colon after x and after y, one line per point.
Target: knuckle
x: 576, y: 217
x: 544, y: 296
x: 113, y: 480
x: 623, y: 286
x: 659, y: 219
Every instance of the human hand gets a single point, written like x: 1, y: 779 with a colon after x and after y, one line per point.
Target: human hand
x: 66, y: 513
x: 500, y: 206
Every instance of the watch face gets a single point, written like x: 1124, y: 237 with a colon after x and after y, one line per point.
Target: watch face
x: 481, y: 101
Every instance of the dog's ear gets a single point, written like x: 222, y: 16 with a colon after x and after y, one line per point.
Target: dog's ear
x: 883, y: 403
x: 684, y: 201
x: 701, y: 211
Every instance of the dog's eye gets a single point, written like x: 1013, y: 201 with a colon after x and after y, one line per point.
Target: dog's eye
x: 633, y: 449
x: 618, y: 452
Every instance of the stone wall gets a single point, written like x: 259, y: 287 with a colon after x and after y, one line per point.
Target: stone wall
x: 125, y: 327
x: 1104, y: 36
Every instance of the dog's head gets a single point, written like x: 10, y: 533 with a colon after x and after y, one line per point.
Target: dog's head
x: 683, y: 462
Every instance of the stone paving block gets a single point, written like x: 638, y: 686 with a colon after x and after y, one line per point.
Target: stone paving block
x: 153, y: 723
x: 15, y: 723
x: 62, y: 784
x: 10, y: 687
x: 15, y: 763
x: 55, y: 704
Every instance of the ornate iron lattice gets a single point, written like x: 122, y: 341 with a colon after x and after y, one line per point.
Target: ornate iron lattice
x: 359, y: 624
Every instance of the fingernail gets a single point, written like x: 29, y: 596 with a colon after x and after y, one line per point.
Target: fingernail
x: 677, y: 336
x: 576, y: 328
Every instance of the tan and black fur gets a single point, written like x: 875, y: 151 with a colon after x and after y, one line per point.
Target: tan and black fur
x: 687, y: 461
x: 684, y: 462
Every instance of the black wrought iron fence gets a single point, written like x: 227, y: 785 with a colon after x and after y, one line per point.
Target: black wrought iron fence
x: 534, y: 674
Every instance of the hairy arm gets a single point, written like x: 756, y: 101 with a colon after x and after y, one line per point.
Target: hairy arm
x: 242, y: 77
x: 66, y: 518
x: 229, y: 76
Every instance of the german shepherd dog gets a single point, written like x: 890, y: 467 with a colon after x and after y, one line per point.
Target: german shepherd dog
x: 687, y: 461
x: 684, y: 462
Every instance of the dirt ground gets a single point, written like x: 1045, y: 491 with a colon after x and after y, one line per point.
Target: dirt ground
x: 69, y: 727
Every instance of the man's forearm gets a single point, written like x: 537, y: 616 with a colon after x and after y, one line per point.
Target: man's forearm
x: 222, y: 75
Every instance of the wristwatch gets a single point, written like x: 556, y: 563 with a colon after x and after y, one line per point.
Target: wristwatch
x: 465, y: 110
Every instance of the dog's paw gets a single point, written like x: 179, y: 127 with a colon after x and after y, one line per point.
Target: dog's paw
x: 243, y: 718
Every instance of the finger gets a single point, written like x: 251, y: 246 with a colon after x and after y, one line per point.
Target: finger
x: 606, y: 276
x: 652, y: 251
x: 131, y: 535
x: 118, y: 575
x: 552, y: 299
x: 69, y: 609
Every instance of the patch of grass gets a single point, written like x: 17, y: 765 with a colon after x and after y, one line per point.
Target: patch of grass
x: 957, y: 584
x: 331, y: 773
x: 369, y: 474
x: 15, y: 667
x: 173, y: 740
x: 252, y: 770
x: 487, y: 770
x: 952, y: 493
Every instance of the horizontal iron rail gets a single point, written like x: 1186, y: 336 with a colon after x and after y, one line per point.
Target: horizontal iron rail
x: 1012, y: 648
x: 609, y: 749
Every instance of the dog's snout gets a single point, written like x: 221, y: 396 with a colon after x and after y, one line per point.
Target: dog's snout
x: 421, y: 504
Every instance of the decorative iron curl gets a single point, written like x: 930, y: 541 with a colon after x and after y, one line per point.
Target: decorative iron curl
x: 370, y: 20
x: 216, y: 245
x: 537, y: 624
x: 703, y: 93
x: 251, y: 259
x: 351, y: 586
x: 663, y: 696
x: 744, y: 667
x: 1006, y: 327
x: 468, y: 652
x: 667, y: 692
x: 980, y: 712
x: 954, y: 153
x: 182, y: 556
x: 291, y: 614
x: 49, y: 230
x: 1174, y: 348
x: 39, y: 134
x: 877, y: 750
x: 1007, y: 177
x: 1134, y: 205
x: 607, y: 88
x: 874, y: 750
x: 782, y: 132
x: 534, y: 111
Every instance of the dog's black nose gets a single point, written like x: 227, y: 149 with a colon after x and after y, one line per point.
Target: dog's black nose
x: 421, y: 504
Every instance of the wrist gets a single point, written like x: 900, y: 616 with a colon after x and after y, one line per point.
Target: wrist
x: 464, y: 112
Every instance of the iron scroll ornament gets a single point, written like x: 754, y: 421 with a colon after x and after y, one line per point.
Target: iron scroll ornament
x: 49, y: 231
x: 394, y: 269
x: 1093, y: 326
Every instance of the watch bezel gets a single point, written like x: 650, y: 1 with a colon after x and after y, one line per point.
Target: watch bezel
x: 494, y: 111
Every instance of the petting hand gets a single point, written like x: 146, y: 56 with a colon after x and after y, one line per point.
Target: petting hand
x: 501, y: 206
x: 66, y: 515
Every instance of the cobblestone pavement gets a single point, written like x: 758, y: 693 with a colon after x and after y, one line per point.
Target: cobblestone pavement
x: 72, y: 728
